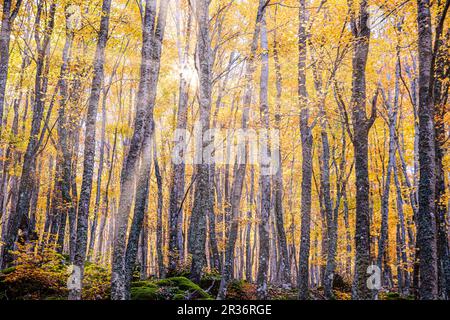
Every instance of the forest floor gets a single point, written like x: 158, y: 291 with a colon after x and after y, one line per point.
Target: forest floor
x: 43, y: 276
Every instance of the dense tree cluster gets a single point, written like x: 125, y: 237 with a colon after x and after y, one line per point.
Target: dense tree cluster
x: 292, y: 145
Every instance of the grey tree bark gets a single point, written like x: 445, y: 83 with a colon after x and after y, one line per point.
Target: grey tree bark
x: 264, y: 174
x: 10, y: 11
x: 307, y: 140
x: 426, y: 223
x: 284, y: 268
x: 201, y: 206
x: 29, y: 162
x: 153, y: 33
x: 361, y: 127
x: 440, y: 100
x: 241, y: 160
x: 89, y: 150
x: 178, y: 169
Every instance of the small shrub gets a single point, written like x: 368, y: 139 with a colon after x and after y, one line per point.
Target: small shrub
x: 241, y: 290
x: 96, y: 282
x: 39, y: 273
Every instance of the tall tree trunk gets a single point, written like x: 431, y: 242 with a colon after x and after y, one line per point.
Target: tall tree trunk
x: 159, y: 218
x: 248, y: 248
x: 426, y: 223
x: 264, y: 174
x: 285, y: 264
x: 8, y: 15
x: 89, y: 152
x: 29, y: 163
x: 440, y: 97
x: 64, y: 155
x: 241, y: 161
x: 197, y: 229
x: 143, y: 126
x: 307, y: 141
x: 392, y: 108
x: 401, y: 240
x: 178, y: 169
x: 361, y: 127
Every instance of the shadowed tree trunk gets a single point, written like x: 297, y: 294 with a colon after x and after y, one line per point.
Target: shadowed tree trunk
x: 361, y: 127
x: 392, y: 110
x: 402, y: 258
x: 64, y: 154
x: 426, y: 223
x: 440, y: 97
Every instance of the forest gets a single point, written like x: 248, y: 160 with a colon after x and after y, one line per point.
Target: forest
x: 224, y: 150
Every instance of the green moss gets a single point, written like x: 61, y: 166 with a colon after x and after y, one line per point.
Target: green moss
x: 183, y: 284
x: 394, y: 296
x: 144, y: 293
x: 137, y: 284
x: 8, y: 270
x: 179, y: 296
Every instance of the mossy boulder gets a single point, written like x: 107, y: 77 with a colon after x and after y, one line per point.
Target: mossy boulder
x: 394, y: 296
x: 176, y: 288
x: 145, y: 293
x: 191, y: 289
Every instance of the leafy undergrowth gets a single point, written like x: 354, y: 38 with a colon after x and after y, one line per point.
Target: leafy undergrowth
x: 40, y: 273
x: 394, y: 296
x: 175, y: 288
x: 241, y: 290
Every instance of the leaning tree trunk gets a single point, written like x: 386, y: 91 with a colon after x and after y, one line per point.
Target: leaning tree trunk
x: 89, y: 152
x: 143, y: 126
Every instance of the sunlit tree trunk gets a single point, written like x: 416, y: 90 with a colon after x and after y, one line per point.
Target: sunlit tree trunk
x: 140, y: 143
